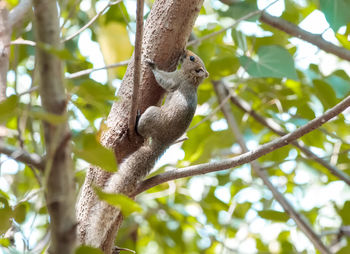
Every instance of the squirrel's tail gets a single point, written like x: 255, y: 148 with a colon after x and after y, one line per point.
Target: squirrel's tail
x: 135, y: 168
x: 124, y: 181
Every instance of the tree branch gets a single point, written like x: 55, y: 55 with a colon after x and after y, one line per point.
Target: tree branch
x: 110, y: 3
x: 276, y: 128
x: 59, y: 174
x: 21, y: 155
x: 166, y: 32
x: 5, y: 38
x: 19, y: 11
x: 246, y: 157
x: 137, y: 66
x: 236, y: 23
x: 296, y: 31
x: 300, y: 221
x: 315, y: 39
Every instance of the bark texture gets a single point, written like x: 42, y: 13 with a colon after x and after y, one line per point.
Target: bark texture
x: 59, y: 173
x: 167, y: 29
x: 5, y: 38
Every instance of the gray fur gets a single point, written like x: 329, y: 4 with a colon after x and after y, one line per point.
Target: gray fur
x: 160, y: 127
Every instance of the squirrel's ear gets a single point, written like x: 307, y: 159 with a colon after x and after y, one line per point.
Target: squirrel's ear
x: 150, y: 63
x: 183, y: 55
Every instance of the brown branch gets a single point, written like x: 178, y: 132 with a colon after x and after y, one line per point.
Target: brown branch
x: 19, y: 11
x: 276, y: 128
x: 300, y: 221
x: 5, y: 38
x: 7, y: 21
x: 21, y: 155
x: 246, y: 157
x: 137, y: 66
x: 166, y: 32
x: 296, y: 31
x: 59, y: 174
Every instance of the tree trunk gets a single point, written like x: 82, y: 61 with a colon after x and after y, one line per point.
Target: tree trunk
x: 167, y: 29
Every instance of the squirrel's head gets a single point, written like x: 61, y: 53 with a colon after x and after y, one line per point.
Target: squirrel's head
x: 193, y: 66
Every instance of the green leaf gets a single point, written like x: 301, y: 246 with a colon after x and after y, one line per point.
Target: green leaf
x: 223, y: 66
x: 344, y: 250
x: 89, y: 149
x: 240, y: 9
x: 8, y: 107
x: 118, y: 13
x: 41, y: 114
x: 5, y: 242
x: 87, y: 250
x: 93, y: 91
x: 273, y: 61
x: 19, y: 212
x: 239, y: 39
x: 345, y: 213
x: 343, y: 39
x: 336, y: 12
x: 62, y: 54
x: 241, y: 210
x: 122, y: 202
x: 274, y: 215
x: 339, y: 85
x: 325, y: 93
x: 5, y: 215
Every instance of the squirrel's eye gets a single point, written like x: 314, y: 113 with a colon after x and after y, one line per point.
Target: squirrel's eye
x: 192, y: 58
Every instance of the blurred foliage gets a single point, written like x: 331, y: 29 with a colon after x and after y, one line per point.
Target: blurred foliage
x: 224, y: 212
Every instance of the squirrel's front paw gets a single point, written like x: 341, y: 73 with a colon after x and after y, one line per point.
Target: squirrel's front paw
x: 150, y: 63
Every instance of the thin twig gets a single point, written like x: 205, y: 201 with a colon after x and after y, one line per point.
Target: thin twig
x: 88, y: 71
x: 20, y: 41
x: 249, y: 15
x: 224, y: 101
x: 110, y: 3
x: 23, y: 156
x: 246, y: 157
x: 137, y: 66
x: 288, y: 208
x: 199, y: 40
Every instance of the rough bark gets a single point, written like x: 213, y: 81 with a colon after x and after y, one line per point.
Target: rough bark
x: 167, y: 29
x: 59, y: 173
x: 5, y: 38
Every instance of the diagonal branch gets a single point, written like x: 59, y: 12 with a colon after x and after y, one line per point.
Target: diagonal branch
x: 17, y: 13
x: 23, y: 156
x: 296, y: 31
x: 246, y: 157
x: 301, y: 222
x: 86, y: 26
x: 276, y: 128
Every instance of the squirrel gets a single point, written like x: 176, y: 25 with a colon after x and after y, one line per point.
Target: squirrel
x: 160, y: 127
